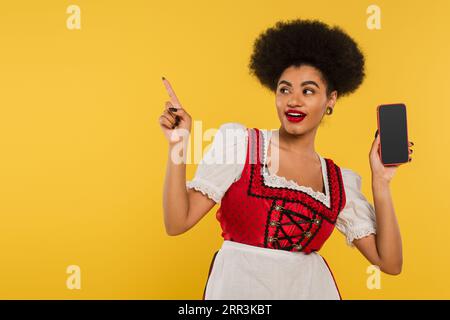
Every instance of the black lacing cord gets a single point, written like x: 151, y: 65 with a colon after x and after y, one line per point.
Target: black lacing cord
x: 289, y: 238
x: 297, y: 224
x: 296, y: 214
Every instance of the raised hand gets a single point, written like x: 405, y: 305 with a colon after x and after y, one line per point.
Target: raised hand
x: 175, y: 119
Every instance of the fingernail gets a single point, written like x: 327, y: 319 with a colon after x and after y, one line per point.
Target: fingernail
x: 173, y: 109
x: 376, y: 133
x: 412, y: 143
x: 163, y: 78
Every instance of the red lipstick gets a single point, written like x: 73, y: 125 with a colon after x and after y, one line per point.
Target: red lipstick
x: 295, y: 115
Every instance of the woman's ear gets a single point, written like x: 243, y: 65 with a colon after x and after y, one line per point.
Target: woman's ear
x: 333, y: 98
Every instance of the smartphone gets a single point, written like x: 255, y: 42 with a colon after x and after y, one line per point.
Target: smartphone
x: 393, y: 131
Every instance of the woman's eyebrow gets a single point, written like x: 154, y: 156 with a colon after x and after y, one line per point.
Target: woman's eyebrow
x: 303, y: 83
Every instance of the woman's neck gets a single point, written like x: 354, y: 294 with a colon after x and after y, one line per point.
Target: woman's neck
x: 301, y: 144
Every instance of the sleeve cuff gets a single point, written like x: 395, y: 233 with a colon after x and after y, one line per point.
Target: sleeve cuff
x: 205, y: 188
x: 358, y: 234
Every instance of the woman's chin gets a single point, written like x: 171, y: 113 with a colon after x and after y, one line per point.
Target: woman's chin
x: 292, y: 127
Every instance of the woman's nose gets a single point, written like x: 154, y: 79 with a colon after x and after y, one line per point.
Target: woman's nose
x: 294, y: 100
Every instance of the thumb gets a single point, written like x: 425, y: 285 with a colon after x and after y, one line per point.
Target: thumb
x: 375, y: 143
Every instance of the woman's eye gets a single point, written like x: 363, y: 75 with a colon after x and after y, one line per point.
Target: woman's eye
x: 282, y: 90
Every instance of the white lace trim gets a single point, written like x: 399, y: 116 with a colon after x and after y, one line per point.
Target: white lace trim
x: 205, y: 188
x: 358, y: 234
x: 274, y: 180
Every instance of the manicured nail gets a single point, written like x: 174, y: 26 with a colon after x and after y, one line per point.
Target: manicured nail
x: 173, y: 109
x: 412, y: 143
x: 163, y: 78
x: 376, y: 133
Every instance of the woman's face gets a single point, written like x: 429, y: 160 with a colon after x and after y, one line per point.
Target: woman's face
x: 302, y: 89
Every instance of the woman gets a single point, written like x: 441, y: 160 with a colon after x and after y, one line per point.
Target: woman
x: 279, y: 199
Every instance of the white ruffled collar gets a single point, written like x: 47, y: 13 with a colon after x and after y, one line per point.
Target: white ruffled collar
x: 274, y: 180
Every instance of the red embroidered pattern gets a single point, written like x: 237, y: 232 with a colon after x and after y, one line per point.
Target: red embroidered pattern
x: 254, y: 213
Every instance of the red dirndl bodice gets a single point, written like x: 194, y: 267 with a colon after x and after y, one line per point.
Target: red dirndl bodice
x: 254, y: 213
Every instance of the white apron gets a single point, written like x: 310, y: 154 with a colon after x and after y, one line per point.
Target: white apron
x: 244, y: 272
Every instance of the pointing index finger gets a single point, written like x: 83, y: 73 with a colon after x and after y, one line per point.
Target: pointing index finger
x: 172, y: 95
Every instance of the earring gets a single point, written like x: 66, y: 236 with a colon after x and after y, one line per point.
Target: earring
x: 329, y: 110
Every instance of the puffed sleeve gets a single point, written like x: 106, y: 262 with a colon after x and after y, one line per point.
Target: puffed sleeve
x: 222, y: 163
x: 357, y: 220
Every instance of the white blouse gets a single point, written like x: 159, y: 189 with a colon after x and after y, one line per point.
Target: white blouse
x: 224, y: 162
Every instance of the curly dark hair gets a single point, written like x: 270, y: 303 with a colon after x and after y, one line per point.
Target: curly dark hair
x: 308, y: 42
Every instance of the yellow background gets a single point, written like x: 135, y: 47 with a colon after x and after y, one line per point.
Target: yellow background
x: 83, y: 158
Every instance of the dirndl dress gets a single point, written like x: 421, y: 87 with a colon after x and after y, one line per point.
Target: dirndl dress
x: 273, y: 228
